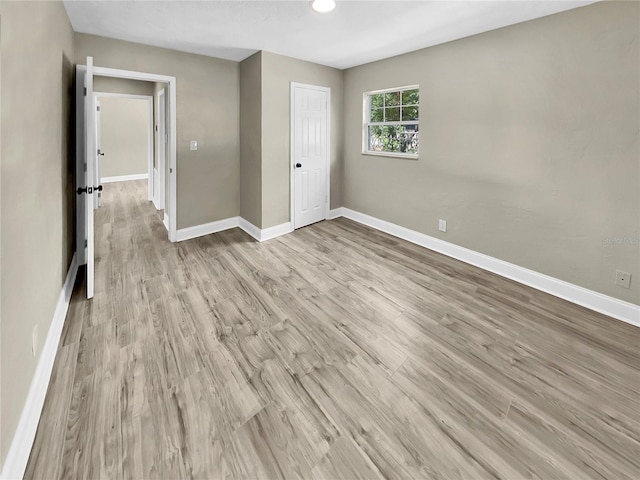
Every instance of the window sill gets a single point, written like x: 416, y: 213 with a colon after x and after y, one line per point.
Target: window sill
x: 406, y: 156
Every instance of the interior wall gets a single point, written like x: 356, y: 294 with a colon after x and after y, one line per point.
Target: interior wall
x: 36, y: 168
x: 208, y: 98
x: 124, y: 136
x: 277, y: 74
x: 122, y: 85
x: 528, y: 145
x: 251, y: 139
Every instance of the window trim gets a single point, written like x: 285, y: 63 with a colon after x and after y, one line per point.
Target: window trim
x: 366, y: 111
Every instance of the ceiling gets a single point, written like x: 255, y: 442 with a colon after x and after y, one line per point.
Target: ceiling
x: 356, y: 32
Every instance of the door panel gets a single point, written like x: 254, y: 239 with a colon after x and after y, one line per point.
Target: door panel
x: 310, y: 153
x: 91, y: 159
x: 81, y: 217
x: 97, y: 201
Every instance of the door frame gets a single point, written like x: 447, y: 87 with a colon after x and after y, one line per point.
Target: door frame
x: 171, y: 83
x: 327, y: 206
x: 158, y: 200
x: 149, y: 99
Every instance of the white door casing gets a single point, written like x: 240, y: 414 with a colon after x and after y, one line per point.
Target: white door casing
x: 162, y: 139
x: 309, y: 153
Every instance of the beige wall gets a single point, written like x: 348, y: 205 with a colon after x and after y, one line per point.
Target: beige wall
x: 124, y: 136
x: 207, y: 110
x: 122, y: 85
x: 529, y: 145
x: 277, y: 74
x: 37, y: 189
x: 251, y: 139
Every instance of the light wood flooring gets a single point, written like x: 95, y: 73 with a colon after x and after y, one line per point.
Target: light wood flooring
x: 334, y: 352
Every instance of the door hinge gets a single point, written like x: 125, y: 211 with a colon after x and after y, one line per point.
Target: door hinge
x: 85, y: 91
x: 156, y: 128
x: 98, y: 107
x: 86, y: 243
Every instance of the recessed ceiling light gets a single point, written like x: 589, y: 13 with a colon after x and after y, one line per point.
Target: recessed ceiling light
x: 323, y: 6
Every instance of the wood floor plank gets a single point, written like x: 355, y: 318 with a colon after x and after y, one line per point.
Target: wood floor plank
x: 334, y: 352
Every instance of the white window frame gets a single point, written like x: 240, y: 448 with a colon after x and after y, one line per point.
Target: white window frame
x: 366, y: 123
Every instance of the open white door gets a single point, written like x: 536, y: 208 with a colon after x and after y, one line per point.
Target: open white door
x: 309, y: 153
x: 91, y: 160
x: 81, y: 180
x: 97, y: 202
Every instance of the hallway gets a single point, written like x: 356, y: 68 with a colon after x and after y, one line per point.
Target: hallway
x: 332, y: 352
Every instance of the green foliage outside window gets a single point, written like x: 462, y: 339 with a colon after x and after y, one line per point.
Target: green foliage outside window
x: 393, y: 121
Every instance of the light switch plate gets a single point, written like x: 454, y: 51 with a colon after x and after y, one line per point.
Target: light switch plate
x: 442, y: 225
x: 193, y: 145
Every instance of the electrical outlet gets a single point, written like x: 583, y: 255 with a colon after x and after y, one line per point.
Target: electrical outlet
x: 34, y: 341
x: 623, y: 279
x: 442, y: 225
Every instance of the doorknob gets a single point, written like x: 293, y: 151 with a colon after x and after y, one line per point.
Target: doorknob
x: 298, y: 165
x: 88, y: 190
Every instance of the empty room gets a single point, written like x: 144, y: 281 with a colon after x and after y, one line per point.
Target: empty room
x: 328, y: 239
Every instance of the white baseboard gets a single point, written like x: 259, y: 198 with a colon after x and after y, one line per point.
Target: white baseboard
x: 619, y: 309
x: 276, y: 231
x: 263, y: 235
x: 335, y: 213
x: 227, y: 223
x: 20, y: 449
x: 125, y: 178
x: 250, y: 228
x: 207, y: 228
x: 165, y: 220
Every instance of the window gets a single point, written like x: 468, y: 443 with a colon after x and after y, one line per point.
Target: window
x: 391, y: 122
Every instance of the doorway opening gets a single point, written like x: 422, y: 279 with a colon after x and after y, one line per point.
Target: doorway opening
x: 124, y: 138
x: 87, y: 155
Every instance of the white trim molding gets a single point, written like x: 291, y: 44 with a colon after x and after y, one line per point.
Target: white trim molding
x: 20, y: 448
x: 125, y: 178
x: 262, y: 235
x: 207, y: 228
x: 275, y: 231
x: 250, y: 228
x: 335, y: 213
x: 613, y: 307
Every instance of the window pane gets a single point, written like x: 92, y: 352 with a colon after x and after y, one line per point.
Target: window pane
x: 409, y: 141
x: 377, y: 100
x: 377, y: 115
x: 391, y: 99
x: 392, y: 114
x: 409, y: 113
x: 394, y: 138
x: 411, y: 97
